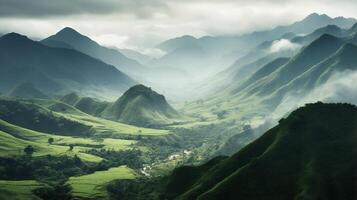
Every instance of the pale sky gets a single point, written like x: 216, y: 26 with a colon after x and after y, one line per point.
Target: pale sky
x: 140, y: 24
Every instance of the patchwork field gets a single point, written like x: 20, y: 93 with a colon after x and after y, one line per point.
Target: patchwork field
x: 93, y: 185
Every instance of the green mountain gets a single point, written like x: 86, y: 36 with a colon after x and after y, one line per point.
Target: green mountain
x: 342, y: 60
x: 86, y: 45
x: 262, y: 72
x: 141, y: 106
x: 27, y: 90
x: 55, y: 70
x: 87, y: 105
x: 35, y: 117
x: 330, y: 29
x: 309, y: 56
x: 309, y: 155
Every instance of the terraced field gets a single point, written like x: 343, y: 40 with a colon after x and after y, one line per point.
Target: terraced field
x: 93, y: 185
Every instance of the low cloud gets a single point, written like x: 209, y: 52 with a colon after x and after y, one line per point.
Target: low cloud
x: 340, y: 88
x: 283, y: 45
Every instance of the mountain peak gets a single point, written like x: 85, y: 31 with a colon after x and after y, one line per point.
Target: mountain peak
x: 14, y: 36
x: 69, y: 32
x: 140, y: 105
x: 316, y: 16
x: 140, y: 90
x: 325, y: 38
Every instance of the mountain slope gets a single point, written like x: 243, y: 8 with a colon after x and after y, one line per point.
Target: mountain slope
x: 312, y: 54
x: 55, y: 70
x: 85, y: 45
x: 27, y: 90
x: 87, y: 105
x: 35, y: 117
x: 141, y: 106
x: 345, y: 59
x: 309, y: 155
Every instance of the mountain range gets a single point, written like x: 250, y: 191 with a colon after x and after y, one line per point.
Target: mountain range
x: 56, y: 70
x: 70, y: 38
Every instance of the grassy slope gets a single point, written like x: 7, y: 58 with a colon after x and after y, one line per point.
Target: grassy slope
x: 93, y: 185
x: 19, y: 190
x: 14, y: 138
x: 100, y: 125
x: 309, y: 155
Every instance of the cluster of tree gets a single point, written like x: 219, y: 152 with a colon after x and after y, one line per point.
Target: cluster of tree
x: 49, y: 169
x: 132, y: 158
x: 137, y: 189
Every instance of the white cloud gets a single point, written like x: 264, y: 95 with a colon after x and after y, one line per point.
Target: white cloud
x: 283, y: 45
x: 340, y: 87
x: 148, y: 22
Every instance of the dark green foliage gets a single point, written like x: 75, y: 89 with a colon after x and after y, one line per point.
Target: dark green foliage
x: 50, y: 140
x: 29, y: 150
x: 37, y: 118
x: 55, y: 192
x: 130, y: 158
x: 137, y: 189
x: 309, y: 155
x: 57, y: 169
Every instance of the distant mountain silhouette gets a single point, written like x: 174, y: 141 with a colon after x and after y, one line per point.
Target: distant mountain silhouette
x: 55, y: 70
x: 27, y: 90
x: 86, y: 45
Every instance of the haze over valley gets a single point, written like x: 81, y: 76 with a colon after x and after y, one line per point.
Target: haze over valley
x: 157, y: 100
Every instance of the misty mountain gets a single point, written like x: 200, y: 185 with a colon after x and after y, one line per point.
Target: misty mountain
x: 310, y: 55
x: 188, y: 57
x: 56, y: 70
x: 27, y: 90
x: 344, y: 59
x: 223, y: 45
x: 135, y: 55
x: 87, y: 105
x: 141, y: 106
x: 86, y: 45
x: 309, y: 155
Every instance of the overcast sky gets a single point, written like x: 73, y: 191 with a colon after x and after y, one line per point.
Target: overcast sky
x: 143, y: 23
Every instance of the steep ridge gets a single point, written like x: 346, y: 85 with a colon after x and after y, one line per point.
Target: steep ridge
x: 55, y: 70
x: 344, y: 59
x: 312, y: 54
x: 309, y: 155
x: 86, y: 45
